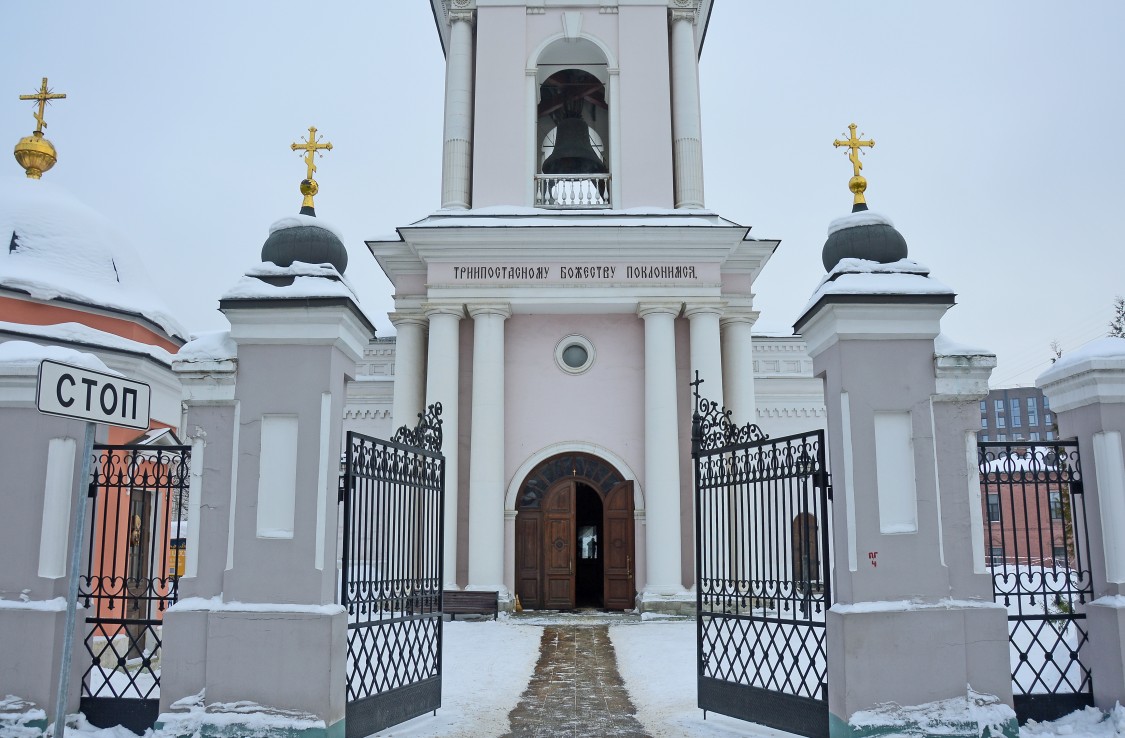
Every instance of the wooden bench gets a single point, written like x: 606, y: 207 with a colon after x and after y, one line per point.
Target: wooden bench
x: 460, y: 602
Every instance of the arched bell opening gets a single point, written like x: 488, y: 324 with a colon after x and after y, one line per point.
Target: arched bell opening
x: 572, y: 127
x: 575, y: 536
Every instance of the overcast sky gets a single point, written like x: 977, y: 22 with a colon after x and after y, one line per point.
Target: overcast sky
x: 998, y: 129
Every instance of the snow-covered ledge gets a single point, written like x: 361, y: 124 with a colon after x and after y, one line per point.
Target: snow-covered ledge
x: 962, y: 371
x: 866, y: 300
x: 1094, y: 374
x: 207, y: 367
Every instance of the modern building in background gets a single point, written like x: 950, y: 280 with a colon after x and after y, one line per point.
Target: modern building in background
x: 1016, y: 414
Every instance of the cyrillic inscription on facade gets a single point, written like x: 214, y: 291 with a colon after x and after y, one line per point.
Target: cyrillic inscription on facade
x: 574, y: 273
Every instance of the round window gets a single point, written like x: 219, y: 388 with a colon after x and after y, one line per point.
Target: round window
x: 574, y: 354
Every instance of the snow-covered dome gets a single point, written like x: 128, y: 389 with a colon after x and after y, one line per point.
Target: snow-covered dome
x: 863, y: 234
x: 53, y: 247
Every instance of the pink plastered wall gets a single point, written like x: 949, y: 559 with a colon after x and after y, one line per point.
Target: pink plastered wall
x: 545, y: 405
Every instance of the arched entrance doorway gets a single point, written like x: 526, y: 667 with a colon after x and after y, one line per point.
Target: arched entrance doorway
x: 574, y: 536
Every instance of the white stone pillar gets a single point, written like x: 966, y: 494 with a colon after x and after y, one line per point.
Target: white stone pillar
x: 687, y: 139
x: 1087, y: 393
x: 662, y: 452
x: 486, y: 456
x: 738, y: 365
x: 410, y: 367
x: 706, y: 348
x: 457, y: 156
x: 442, y: 381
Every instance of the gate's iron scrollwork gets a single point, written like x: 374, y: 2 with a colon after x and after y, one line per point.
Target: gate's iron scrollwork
x: 134, y: 561
x: 391, y: 580
x: 1037, y: 549
x: 762, y: 572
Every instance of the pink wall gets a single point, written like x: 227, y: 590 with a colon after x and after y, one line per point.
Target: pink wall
x: 545, y: 405
x: 501, y: 173
x: 645, y: 109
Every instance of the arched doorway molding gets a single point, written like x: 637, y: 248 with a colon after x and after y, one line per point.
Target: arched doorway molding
x: 512, y: 497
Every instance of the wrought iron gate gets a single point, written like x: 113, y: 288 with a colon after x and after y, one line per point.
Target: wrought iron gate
x: 1037, y: 548
x: 762, y: 572
x: 391, y: 579
x: 134, y: 557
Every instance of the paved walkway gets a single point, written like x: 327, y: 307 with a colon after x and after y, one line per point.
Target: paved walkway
x: 576, y: 689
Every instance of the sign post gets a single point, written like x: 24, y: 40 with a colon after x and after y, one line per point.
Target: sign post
x: 96, y: 397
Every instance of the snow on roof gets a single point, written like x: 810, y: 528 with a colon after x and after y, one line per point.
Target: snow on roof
x: 299, y: 220
x: 309, y: 280
x: 862, y: 218
x: 1097, y: 354
x: 863, y: 277
x: 946, y: 346
x: 210, y: 346
x: 54, y: 247
x: 85, y: 335
x: 511, y: 216
x: 26, y: 353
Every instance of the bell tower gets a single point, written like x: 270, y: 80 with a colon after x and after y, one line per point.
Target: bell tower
x: 572, y: 104
x: 564, y: 296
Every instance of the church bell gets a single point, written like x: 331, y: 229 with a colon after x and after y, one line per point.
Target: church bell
x: 573, y: 153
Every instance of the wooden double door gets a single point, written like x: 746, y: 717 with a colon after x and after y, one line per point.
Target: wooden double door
x: 576, y: 548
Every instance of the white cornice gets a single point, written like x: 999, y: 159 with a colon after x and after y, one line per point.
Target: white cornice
x: 336, y: 325
x: 1096, y: 380
x: 873, y: 321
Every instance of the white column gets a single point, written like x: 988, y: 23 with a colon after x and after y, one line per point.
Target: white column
x: 442, y: 381
x: 486, y: 455
x: 738, y: 365
x: 457, y: 156
x: 706, y: 348
x: 612, y: 95
x: 687, y: 146
x: 410, y: 367
x: 662, y: 452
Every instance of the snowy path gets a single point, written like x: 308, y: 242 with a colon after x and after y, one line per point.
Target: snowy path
x: 488, y: 665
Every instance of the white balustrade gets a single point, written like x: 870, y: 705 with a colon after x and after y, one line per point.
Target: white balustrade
x: 577, y: 191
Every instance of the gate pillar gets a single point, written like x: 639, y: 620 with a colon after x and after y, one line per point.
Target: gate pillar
x: 263, y: 624
x: 914, y: 620
x: 1086, y: 390
x: 40, y: 455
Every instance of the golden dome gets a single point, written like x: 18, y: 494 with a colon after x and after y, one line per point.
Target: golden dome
x: 35, y: 154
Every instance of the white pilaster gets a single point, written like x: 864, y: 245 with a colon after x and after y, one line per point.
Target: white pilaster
x: 486, y: 459
x: 442, y: 386
x: 738, y: 364
x: 706, y: 348
x: 410, y: 367
x: 687, y: 146
x: 662, y: 453
x: 457, y: 159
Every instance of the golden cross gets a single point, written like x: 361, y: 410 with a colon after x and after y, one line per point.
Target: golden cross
x: 854, y: 144
x: 311, y: 147
x: 44, y: 96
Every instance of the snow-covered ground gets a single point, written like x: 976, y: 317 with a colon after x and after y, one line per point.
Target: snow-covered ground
x: 487, y: 665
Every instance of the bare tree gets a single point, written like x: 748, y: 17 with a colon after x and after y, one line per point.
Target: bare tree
x: 1117, y: 325
x: 1056, y: 349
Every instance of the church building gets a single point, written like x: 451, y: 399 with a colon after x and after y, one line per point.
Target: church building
x: 559, y: 303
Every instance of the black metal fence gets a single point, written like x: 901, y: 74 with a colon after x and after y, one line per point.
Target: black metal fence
x: 391, y: 582
x: 1037, y: 548
x: 762, y: 572
x: 138, y: 499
